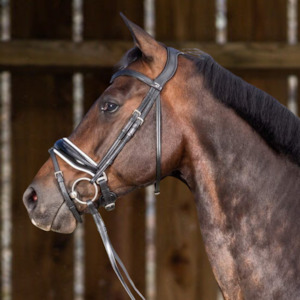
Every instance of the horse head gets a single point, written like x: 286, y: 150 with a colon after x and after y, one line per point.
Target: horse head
x: 135, y: 165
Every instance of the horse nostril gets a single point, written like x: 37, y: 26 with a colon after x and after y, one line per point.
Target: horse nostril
x: 33, y: 196
x: 30, y: 198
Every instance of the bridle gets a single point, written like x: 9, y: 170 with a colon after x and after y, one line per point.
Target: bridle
x: 79, y: 160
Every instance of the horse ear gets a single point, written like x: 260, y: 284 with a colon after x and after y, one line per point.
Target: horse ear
x: 144, y: 41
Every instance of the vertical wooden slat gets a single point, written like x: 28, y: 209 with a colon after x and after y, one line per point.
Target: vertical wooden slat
x: 6, y: 187
x: 178, y: 20
x: 298, y: 20
x: 42, y: 112
x: 5, y: 161
x: 183, y: 271
x: 102, y: 19
x: 126, y: 225
x: 41, y: 19
x: 255, y: 20
x: 297, y: 74
x: 1, y: 188
x: 260, y: 21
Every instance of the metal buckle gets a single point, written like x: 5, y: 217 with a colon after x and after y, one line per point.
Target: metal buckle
x: 110, y: 206
x: 157, y: 86
x: 136, y: 111
x: 141, y: 119
x: 58, y: 172
x: 101, y: 178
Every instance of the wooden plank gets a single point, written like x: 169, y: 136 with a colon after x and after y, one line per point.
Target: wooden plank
x: 126, y: 226
x: 183, y: 268
x: 41, y: 19
x: 102, y: 19
x: 261, y: 21
x: 41, y: 113
x: 180, y: 21
x: 256, y: 20
x: 105, y: 54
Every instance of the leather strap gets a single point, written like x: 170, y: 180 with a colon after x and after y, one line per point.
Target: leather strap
x: 158, y: 146
x: 112, y: 255
x: 138, y: 75
x: 107, y: 198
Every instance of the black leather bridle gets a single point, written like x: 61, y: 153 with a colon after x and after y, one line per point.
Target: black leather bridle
x: 77, y: 159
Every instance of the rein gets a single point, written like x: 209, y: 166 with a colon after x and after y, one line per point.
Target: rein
x: 79, y: 160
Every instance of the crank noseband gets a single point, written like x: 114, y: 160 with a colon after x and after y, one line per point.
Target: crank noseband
x: 79, y: 160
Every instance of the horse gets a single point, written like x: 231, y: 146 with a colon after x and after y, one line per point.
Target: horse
x: 233, y: 145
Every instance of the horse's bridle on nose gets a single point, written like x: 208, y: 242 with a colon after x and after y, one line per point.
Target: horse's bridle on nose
x: 77, y: 159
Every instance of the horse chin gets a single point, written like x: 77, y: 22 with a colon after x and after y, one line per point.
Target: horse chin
x: 63, y: 222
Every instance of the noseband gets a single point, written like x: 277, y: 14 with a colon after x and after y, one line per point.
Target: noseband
x: 79, y: 160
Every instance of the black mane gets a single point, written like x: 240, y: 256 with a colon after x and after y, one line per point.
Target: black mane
x: 279, y: 127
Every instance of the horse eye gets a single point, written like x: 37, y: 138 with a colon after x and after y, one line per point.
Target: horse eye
x: 109, y: 107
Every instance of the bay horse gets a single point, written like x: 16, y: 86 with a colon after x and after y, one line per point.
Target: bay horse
x: 235, y: 147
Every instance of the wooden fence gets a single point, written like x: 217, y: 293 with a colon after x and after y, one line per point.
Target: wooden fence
x: 42, y: 57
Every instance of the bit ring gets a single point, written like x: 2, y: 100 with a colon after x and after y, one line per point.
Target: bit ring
x: 74, y: 194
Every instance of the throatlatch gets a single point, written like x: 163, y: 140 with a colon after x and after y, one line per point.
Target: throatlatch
x: 79, y: 160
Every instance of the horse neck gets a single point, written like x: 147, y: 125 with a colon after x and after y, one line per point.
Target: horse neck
x: 244, y: 192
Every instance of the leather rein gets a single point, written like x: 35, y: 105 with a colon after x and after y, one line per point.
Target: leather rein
x: 79, y: 160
